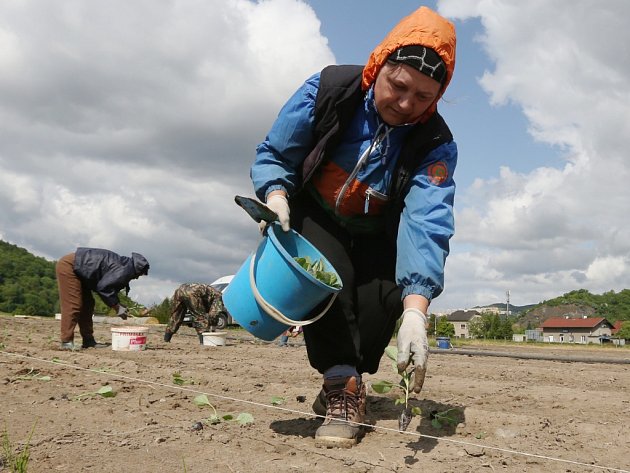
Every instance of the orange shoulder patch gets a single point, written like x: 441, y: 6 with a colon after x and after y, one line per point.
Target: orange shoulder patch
x: 438, y: 173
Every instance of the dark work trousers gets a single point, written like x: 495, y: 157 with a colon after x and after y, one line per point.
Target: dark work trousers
x: 77, y: 303
x: 360, y: 323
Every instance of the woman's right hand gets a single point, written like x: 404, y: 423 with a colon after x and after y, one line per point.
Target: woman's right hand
x: 277, y: 201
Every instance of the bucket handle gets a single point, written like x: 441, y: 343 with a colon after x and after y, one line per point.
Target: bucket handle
x: 275, y: 313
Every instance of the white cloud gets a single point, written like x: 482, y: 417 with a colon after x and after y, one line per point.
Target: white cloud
x: 132, y: 125
x: 551, y: 230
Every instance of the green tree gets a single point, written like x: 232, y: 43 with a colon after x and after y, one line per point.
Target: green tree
x: 506, y: 329
x: 625, y: 331
x: 476, y: 327
x: 162, y: 311
x: 491, y: 326
x: 444, y: 328
x: 494, y: 330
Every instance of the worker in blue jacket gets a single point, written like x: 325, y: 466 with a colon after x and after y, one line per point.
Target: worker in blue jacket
x: 98, y: 270
x: 360, y: 163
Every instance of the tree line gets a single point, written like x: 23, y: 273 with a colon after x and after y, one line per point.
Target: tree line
x: 488, y: 326
x: 28, y: 285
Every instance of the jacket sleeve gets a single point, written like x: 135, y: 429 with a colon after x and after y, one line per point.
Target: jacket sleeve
x: 280, y: 155
x: 427, y: 224
x: 109, y: 285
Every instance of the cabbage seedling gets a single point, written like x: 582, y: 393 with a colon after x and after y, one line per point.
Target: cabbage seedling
x: 32, y: 374
x: 439, y: 418
x: 105, y: 391
x: 277, y: 400
x: 179, y: 380
x: 243, y: 418
x: 383, y: 387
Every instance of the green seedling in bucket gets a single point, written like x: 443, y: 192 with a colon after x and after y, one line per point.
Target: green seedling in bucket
x: 105, y: 391
x: 317, y: 270
x: 202, y: 401
x: 383, y: 387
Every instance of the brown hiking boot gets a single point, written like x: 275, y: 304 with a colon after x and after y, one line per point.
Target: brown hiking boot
x: 345, y: 410
x: 319, y: 404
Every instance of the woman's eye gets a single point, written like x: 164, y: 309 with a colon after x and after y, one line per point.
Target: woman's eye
x: 398, y: 86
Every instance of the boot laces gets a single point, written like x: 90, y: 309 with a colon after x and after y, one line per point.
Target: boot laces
x: 343, y: 404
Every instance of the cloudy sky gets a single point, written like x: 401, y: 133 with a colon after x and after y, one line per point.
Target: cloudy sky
x: 132, y: 125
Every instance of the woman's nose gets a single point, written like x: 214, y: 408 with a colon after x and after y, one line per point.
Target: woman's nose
x: 405, y: 102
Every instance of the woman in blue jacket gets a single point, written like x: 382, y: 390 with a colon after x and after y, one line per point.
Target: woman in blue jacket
x: 360, y: 163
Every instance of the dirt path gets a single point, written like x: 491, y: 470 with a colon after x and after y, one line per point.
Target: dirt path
x: 513, y: 415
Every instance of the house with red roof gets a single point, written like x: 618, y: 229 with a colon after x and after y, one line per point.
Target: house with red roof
x: 585, y: 330
x: 616, y: 327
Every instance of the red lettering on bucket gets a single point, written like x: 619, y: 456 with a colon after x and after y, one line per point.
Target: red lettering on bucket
x: 137, y: 340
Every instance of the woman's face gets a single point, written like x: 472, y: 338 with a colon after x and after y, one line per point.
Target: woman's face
x: 402, y: 93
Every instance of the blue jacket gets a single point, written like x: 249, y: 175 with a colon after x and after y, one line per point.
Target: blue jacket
x: 356, y: 195
x: 106, y: 272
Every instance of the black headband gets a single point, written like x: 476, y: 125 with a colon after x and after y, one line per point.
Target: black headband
x: 421, y: 58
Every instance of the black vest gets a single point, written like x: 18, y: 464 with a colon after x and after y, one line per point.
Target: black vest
x: 338, y: 99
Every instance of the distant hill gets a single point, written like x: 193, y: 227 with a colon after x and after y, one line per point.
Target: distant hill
x: 28, y: 284
x: 581, y: 303
x: 514, y: 309
x: 575, y: 304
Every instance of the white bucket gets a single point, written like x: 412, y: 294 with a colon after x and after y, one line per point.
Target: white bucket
x: 129, y: 338
x: 214, y: 339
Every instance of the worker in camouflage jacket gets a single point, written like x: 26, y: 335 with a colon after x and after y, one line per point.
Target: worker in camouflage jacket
x: 204, y: 303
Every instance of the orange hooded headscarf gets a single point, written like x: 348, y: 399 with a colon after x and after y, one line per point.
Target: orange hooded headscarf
x: 423, y: 27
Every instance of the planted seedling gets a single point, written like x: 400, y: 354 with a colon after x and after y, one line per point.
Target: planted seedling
x: 243, y: 418
x: 318, y: 271
x: 105, y: 391
x: 383, y: 387
x: 31, y: 374
x: 277, y: 400
x: 441, y: 418
x: 180, y: 381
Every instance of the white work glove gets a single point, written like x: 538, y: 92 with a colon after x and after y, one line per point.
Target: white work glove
x: 413, y: 345
x: 122, y: 312
x: 280, y: 205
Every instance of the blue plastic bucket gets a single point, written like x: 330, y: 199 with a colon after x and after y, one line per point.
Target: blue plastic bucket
x: 271, y: 291
x: 443, y: 342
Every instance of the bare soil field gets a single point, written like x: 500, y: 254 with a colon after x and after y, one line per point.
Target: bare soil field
x: 510, y: 414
